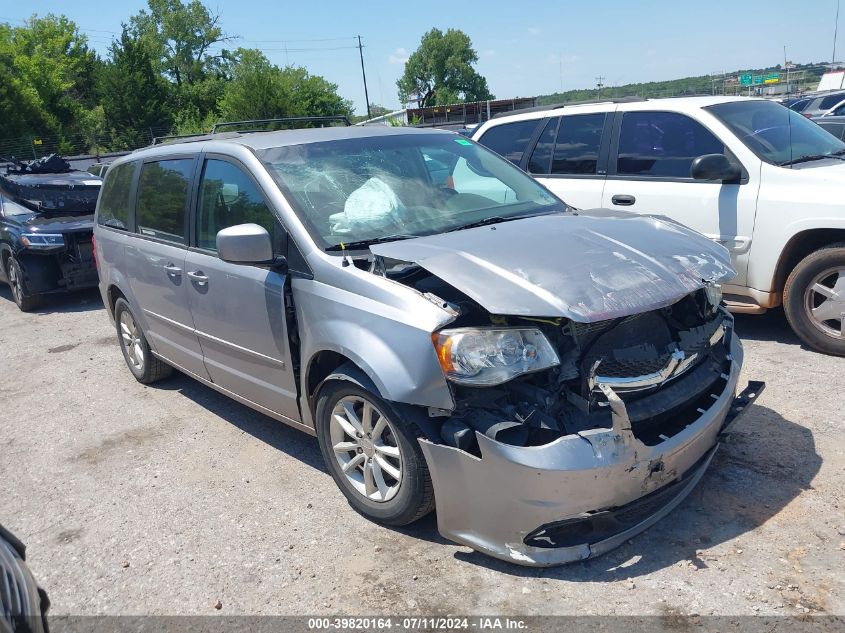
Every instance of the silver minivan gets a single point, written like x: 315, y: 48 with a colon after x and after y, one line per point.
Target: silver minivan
x: 552, y: 381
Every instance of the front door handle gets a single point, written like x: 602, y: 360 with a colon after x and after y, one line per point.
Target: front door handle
x: 172, y: 271
x: 199, y: 277
x: 623, y: 200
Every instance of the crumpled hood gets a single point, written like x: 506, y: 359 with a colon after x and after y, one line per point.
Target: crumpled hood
x: 589, y: 267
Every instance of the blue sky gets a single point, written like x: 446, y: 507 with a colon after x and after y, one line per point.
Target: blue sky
x: 520, y: 44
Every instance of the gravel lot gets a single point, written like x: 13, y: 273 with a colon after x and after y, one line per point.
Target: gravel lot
x: 166, y: 499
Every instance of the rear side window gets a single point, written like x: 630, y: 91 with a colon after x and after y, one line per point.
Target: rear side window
x: 113, y: 209
x: 541, y: 157
x: 510, y: 140
x: 662, y: 144
x: 577, y: 146
x: 829, y: 101
x: 228, y: 198
x: 163, y: 197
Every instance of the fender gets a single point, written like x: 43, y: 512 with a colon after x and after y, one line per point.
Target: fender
x: 764, y: 260
x: 391, y: 344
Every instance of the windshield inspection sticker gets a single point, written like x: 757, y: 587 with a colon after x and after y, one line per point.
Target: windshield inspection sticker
x: 462, y: 141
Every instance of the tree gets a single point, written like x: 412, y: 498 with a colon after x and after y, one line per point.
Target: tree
x: 134, y: 96
x: 47, y: 78
x: 181, y: 37
x: 260, y: 90
x: 440, y: 71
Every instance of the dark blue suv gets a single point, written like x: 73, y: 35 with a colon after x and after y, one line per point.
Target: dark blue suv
x: 46, y: 229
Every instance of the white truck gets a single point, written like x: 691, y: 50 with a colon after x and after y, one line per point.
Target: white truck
x: 762, y: 180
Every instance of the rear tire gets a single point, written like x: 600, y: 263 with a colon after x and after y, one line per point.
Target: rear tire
x: 814, y: 300
x: 14, y: 274
x: 139, y: 358
x: 397, y: 490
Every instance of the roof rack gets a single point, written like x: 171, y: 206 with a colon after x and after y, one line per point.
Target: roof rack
x: 555, y: 106
x: 322, y: 120
x: 158, y: 140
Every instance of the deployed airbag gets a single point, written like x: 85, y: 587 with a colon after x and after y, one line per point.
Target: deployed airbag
x: 372, y: 206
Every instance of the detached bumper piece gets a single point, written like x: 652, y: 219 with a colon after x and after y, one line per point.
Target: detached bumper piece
x: 583, y: 494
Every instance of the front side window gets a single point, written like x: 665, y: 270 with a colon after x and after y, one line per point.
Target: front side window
x: 360, y: 189
x: 510, y: 140
x: 577, y: 145
x: 776, y: 134
x: 163, y: 197
x: 228, y: 197
x: 113, y: 207
x: 662, y: 144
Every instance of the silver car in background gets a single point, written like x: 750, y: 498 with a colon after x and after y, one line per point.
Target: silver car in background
x: 454, y: 335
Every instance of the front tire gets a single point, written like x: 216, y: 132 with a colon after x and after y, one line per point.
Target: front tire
x: 14, y: 274
x: 814, y: 300
x: 144, y: 366
x: 373, y: 455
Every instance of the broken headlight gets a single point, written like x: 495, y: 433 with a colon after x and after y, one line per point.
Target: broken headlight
x: 491, y: 356
x: 42, y: 240
x: 714, y: 294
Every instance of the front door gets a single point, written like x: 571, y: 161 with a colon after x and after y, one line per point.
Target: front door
x: 650, y: 173
x: 239, y: 310
x: 156, y: 262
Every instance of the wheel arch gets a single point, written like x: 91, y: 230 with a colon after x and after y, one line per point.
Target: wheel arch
x: 800, y: 246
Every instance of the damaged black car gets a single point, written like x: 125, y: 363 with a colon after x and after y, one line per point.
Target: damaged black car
x: 46, y: 229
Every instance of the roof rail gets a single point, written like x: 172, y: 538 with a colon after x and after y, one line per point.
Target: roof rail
x: 158, y: 140
x: 295, y: 119
x: 555, y: 106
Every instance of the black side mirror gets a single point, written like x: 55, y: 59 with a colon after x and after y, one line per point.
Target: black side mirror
x: 715, y: 167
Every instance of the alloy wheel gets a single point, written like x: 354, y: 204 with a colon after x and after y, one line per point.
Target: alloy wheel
x: 14, y: 281
x: 130, y: 337
x: 364, y: 444
x: 824, y: 302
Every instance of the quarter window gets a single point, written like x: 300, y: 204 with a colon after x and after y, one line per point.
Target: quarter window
x: 228, y: 198
x: 510, y: 140
x: 162, y: 198
x: 662, y: 144
x: 113, y: 209
x: 577, y: 146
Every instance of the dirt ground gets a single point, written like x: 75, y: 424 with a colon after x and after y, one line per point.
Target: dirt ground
x: 166, y: 499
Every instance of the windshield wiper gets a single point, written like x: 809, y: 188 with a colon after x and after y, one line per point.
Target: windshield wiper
x: 496, y: 219
x: 837, y: 155
x: 362, y: 244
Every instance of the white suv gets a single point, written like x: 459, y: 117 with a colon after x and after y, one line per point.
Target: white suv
x: 749, y: 173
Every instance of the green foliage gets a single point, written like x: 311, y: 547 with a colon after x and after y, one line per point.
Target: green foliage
x: 259, y: 90
x: 47, y: 78
x: 441, y: 71
x: 134, y: 96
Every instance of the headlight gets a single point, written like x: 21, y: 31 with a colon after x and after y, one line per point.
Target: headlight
x: 42, y: 240
x: 714, y: 294
x: 491, y: 356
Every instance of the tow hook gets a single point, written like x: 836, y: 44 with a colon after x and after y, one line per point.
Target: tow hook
x: 740, y: 405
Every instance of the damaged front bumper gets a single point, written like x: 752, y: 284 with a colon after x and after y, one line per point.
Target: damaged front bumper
x: 582, y: 494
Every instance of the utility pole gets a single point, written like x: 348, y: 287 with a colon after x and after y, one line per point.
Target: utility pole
x: 786, y: 65
x: 599, y: 85
x: 364, y: 74
x: 835, y: 31
x: 560, y: 60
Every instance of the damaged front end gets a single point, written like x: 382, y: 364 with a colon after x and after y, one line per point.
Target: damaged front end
x: 571, y: 433
x: 62, y: 264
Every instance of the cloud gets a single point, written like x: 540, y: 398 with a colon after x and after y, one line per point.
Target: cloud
x: 534, y: 30
x: 399, y: 56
